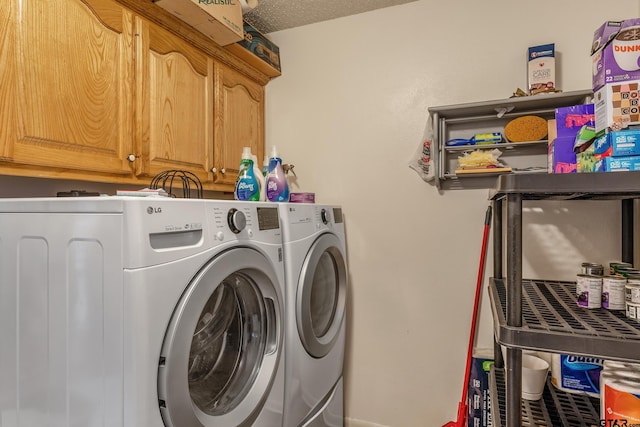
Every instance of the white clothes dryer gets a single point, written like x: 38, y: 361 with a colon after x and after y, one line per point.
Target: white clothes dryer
x: 315, y: 293
x: 140, y: 312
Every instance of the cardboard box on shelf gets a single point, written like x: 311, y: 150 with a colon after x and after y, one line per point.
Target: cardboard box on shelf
x: 478, y: 399
x: 587, y: 160
x: 552, y: 133
x: 541, y: 68
x: 220, y: 20
x: 258, y: 51
x: 615, y: 60
x: 569, y: 120
x: 572, y: 123
x: 617, y: 106
x: 603, y: 34
x: 619, y: 143
x: 590, y: 156
x: 562, y: 157
x: 615, y: 164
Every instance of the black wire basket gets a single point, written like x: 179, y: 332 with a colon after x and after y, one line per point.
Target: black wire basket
x: 177, y: 183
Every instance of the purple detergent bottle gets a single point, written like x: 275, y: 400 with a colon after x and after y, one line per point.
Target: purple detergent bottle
x: 276, y: 181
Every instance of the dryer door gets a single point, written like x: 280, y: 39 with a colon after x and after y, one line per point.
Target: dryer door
x: 322, y: 292
x: 221, y: 350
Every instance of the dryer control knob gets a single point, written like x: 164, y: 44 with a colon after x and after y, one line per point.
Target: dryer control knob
x: 236, y: 220
x: 323, y: 216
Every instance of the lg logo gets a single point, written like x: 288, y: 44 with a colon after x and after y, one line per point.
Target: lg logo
x: 152, y: 210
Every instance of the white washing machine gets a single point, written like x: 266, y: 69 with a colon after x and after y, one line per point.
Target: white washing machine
x: 140, y: 312
x: 315, y: 294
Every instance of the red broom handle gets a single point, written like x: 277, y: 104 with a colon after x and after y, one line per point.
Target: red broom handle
x: 474, y: 319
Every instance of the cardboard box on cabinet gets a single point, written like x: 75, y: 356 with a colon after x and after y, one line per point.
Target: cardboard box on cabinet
x: 258, y: 51
x: 220, y: 20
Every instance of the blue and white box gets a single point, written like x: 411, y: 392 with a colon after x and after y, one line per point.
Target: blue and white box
x: 618, y: 143
x: 478, y: 399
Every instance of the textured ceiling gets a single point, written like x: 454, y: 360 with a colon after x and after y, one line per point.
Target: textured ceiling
x: 276, y: 15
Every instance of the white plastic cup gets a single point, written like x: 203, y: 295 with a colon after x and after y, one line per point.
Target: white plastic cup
x: 534, y: 376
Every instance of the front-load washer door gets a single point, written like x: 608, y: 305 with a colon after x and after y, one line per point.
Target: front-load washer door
x: 321, y: 295
x: 220, y: 353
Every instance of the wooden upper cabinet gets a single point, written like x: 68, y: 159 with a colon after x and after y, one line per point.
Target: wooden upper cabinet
x: 66, y: 84
x: 174, y: 111
x: 97, y: 91
x: 239, y: 122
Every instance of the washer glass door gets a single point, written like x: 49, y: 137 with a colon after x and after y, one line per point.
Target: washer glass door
x: 228, y: 342
x: 321, y: 295
x: 220, y: 351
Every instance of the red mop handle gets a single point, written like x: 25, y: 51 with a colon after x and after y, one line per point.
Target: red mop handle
x: 474, y: 319
x: 462, y: 405
x: 476, y: 304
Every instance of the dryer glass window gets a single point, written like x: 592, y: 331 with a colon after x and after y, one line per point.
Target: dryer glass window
x: 227, y: 346
x: 324, y: 294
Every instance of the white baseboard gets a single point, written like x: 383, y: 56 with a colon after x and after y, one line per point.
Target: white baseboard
x: 352, y: 422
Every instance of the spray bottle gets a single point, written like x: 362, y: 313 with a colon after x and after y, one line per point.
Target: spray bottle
x: 276, y: 182
x: 258, y: 174
x: 247, y: 184
x: 265, y: 165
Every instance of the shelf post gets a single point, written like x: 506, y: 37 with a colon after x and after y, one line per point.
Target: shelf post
x: 438, y: 151
x: 497, y: 239
x: 497, y: 267
x: 514, y: 308
x: 627, y: 230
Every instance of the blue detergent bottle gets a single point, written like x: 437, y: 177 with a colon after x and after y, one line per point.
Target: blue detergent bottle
x: 276, y: 182
x: 247, y: 185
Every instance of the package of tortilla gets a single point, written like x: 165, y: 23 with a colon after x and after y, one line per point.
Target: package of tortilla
x: 526, y: 128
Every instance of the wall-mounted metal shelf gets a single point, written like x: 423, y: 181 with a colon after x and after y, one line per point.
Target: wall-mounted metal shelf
x: 466, y: 120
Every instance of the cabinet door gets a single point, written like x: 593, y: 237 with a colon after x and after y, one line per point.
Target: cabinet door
x: 175, y: 104
x: 239, y: 122
x: 66, y: 84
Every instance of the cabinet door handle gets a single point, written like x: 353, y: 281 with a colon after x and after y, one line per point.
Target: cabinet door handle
x: 222, y: 171
x: 132, y: 158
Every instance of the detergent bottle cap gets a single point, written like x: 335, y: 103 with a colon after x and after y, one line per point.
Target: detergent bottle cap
x: 246, y: 153
x: 274, y: 152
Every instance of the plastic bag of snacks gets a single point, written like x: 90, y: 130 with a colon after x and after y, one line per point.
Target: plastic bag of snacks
x: 422, y: 160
